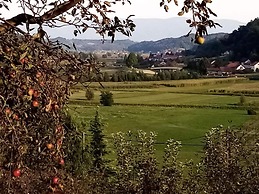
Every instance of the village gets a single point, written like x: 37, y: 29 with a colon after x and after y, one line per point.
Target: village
x: 152, y: 63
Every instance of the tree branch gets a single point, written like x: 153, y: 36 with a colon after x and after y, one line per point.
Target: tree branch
x: 27, y: 18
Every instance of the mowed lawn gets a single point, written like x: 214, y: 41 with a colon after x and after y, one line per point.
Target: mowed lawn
x: 141, y: 96
x: 187, y: 125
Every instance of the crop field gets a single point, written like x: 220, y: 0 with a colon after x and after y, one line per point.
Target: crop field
x: 183, y: 113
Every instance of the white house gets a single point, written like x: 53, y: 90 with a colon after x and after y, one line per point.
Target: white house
x: 243, y: 67
x: 255, y: 67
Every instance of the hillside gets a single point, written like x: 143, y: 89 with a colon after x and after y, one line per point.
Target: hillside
x: 241, y: 44
x: 88, y: 45
x: 92, y: 45
x: 170, y: 43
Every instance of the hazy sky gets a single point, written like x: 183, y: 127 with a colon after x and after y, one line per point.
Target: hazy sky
x: 241, y: 10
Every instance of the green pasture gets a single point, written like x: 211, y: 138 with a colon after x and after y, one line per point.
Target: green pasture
x: 187, y: 125
x: 172, y: 83
x: 166, y: 97
x: 142, y: 106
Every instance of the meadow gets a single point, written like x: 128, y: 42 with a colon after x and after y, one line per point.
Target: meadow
x: 183, y: 110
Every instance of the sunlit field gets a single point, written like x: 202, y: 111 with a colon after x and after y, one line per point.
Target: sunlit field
x: 183, y: 113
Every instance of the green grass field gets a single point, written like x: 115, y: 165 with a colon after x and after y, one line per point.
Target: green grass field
x: 187, y: 125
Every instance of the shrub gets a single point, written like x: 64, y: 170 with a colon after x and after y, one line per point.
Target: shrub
x: 251, y: 112
x: 242, y: 100
x: 106, y: 98
x: 89, y: 94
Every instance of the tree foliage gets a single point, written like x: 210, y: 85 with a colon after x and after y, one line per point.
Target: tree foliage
x: 132, y: 60
x: 106, y: 98
x: 89, y: 94
x: 97, y: 144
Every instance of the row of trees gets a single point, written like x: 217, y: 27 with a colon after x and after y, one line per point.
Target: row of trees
x: 133, y: 75
x: 229, y: 164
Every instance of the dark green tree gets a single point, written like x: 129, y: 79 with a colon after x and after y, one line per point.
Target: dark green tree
x: 106, y: 77
x: 132, y: 60
x: 89, y: 94
x: 77, y: 158
x: 97, y: 145
x: 106, y: 98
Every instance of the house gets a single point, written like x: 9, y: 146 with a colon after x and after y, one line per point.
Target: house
x: 230, y: 68
x: 155, y: 57
x: 244, y: 67
x: 255, y: 66
x: 226, y: 70
x: 214, y: 71
x: 233, y: 65
x: 169, y: 55
x: 166, y: 68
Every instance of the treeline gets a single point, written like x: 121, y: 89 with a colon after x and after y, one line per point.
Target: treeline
x: 122, y: 76
x: 229, y: 164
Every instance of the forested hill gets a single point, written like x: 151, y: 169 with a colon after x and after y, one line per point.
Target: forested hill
x: 88, y: 45
x: 242, y: 44
x: 170, y: 43
x: 145, y: 46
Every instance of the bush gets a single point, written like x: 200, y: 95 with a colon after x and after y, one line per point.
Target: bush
x: 106, y: 98
x: 242, y: 100
x: 89, y: 94
x: 251, y: 112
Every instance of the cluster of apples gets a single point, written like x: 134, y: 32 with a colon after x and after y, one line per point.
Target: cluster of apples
x: 8, y: 112
x: 34, y: 94
x: 51, y: 147
x: 17, y: 173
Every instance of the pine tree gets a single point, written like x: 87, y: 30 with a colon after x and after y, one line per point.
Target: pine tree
x: 97, y: 145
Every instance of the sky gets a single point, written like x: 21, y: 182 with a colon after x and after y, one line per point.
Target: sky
x: 240, y: 10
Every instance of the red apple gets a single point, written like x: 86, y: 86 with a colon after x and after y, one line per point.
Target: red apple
x: 42, y: 84
x: 35, y: 103
x: 38, y: 75
x: 17, y: 172
x: 55, y: 180
x: 15, y: 117
x: 50, y: 146
x: 59, y: 142
x: 24, y: 60
x: 7, y: 111
x: 31, y: 91
x: 58, y: 129
x: 62, y: 161
x: 36, y: 94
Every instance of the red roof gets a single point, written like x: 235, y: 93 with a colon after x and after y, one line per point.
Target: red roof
x: 233, y: 64
x: 226, y: 69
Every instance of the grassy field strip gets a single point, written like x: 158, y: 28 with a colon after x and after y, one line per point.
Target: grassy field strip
x: 168, y: 99
x: 252, y: 86
x: 177, y: 83
x: 83, y: 103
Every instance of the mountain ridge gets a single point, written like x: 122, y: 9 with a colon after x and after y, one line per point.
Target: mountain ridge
x: 151, y: 29
x: 89, y: 45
